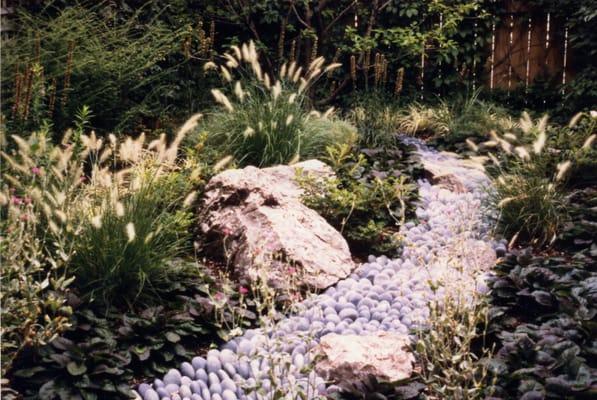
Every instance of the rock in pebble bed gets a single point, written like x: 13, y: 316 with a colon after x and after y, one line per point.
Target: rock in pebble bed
x: 449, y: 249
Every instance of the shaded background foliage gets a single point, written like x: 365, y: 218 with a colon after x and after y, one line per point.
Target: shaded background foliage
x: 137, y: 64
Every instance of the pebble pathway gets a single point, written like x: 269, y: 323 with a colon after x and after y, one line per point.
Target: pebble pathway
x: 381, y: 295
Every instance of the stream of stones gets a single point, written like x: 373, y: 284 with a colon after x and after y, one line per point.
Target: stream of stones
x: 362, y: 324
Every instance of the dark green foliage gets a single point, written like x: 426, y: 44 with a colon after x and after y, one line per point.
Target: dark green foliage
x: 543, y: 315
x: 106, y: 349
x: 369, y: 199
x: 125, y: 65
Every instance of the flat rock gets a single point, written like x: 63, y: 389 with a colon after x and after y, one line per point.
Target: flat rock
x: 256, y: 217
x: 349, y: 360
x: 453, y: 174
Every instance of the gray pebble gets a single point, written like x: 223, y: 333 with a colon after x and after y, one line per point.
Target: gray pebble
x: 151, y: 394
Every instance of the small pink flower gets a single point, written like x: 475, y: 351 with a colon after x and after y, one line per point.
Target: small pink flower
x: 82, y: 178
x: 16, y: 200
x: 291, y: 270
x: 219, y: 296
x: 27, y: 200
x: 36, y: 171
x: 226, y: 231
x: 243, y: 290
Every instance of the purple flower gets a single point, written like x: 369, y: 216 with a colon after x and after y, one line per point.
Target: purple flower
x: 36, y: 170
x: 16, y: 200
x: 243, y: 290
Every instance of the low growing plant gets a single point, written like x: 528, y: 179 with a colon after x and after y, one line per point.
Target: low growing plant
x: 454, y: 362
x: 368, y: 200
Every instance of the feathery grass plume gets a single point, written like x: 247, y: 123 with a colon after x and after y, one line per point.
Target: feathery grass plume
x: 238, y: 91
x: 237, y: 52
x: 539, y: 143
x: 130, y: 232
x: 96, y: 221
x: 562, y: 169
x: 589, y: 142
x: 209, y: 66
x: 283, y: 71
x: 169, y: 154
x: 522, y: 153
x: 575, y: 119
x: 119, y: 209
x: 332, y: 67
x: 222, y: 99
x: 472, y: 145
x: 510, y: 136
x: 232, y: 62
x: 248, y: 132
x: 291, y: 70
x: 222, y: 163
x: 190, y: 199
x: 296, y: 76
x: 225, y: 73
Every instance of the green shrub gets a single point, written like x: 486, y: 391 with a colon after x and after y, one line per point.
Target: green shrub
x: 267, y: 121
x: 368, y: 200
x: 62, y: 59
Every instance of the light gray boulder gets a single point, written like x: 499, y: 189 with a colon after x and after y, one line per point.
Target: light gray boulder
x: 351, y: 359
x: 256, y: 215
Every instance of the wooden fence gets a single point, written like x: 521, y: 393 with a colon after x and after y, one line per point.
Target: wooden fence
x: 527, y: 44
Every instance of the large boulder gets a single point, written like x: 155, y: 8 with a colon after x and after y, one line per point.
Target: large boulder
x: 256, y: 217
x: 352, y: 361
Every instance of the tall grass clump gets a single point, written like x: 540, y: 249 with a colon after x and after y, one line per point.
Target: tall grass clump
x: 125, y: 244
x: 532, y: 171
x: 101, y: 217
x: 266, y: 120
x: 377, y: 118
